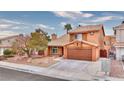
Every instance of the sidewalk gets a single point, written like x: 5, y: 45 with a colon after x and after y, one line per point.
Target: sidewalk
x: 54, y: 71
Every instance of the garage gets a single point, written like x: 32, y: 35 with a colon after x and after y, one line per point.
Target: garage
x: 81, y: 50
x: 79, y: 53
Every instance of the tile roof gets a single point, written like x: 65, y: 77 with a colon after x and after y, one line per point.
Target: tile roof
x: 9, y: 37
x: 87, y: 28
x: 61, y: 41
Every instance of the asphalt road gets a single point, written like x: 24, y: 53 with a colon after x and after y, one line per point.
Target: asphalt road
x: 13, y: 75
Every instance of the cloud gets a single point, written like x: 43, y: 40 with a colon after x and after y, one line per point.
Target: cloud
x: 7, y: 33
x: 72, y: 14
x: 16, y: 27
x: 83, y: 24
x: 103, y: 19
x: 46, y: 27
x: 63, y: 24
x: 11, y: 27
x: 10, y: 21
x: 6, y: 24
x: 106, y: 18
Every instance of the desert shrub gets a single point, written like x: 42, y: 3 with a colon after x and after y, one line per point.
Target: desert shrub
x: 8, y: 52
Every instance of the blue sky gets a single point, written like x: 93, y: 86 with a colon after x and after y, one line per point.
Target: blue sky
x: 53, y: 22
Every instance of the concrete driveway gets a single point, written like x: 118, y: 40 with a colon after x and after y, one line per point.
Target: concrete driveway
x: 84, y: 70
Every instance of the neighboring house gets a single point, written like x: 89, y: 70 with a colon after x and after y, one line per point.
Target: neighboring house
x: 6, y: 42
x: 82, y: 43
x: 119, y: 45
x: 109, y: 41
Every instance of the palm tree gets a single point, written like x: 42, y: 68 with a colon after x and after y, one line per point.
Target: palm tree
x: 67, y: 27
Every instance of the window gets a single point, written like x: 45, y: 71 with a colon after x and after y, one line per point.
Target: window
x: 0, y: 42
x: 78, y: 36
x: 91, y: 33
x: 54, y: 50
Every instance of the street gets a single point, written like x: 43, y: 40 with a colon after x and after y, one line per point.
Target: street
x: 13, y: 75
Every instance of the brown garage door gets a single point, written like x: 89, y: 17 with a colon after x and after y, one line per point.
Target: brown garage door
x: 81, y: 54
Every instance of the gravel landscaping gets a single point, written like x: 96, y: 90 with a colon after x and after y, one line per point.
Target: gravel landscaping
x: 38, y: 61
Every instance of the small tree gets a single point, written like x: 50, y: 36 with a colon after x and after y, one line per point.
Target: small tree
x: 43, y: 32
x: 38, y: 40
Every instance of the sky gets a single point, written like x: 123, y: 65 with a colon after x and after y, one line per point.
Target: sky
x: 20, y: 22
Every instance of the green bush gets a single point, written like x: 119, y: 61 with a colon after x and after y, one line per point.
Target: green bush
x: 8, y: 52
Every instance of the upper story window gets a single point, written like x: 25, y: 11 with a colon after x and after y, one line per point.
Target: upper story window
x: 91, y: 33
x: 78, y: 36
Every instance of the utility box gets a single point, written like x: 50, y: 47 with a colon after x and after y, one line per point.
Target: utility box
x: 105, y: 66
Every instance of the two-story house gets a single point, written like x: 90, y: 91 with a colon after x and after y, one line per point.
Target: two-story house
x: 119, y: 45
x: 82, y: 43
x: 7, y: 42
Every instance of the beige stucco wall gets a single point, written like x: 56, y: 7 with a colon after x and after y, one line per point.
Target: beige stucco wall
x: 95, y: 53
x: 93, y: 38
x: 7, y: 42
x: 120, y: 35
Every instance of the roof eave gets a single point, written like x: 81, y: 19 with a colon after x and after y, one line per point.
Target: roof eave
x: 79, y: 32
x: 89, y: 43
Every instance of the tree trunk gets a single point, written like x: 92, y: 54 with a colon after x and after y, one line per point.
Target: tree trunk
x: 28, y: 53
x: 67, y: 31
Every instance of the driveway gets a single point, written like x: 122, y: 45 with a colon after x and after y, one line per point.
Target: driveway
x: 76, y: 68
